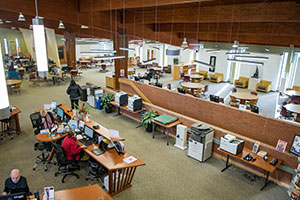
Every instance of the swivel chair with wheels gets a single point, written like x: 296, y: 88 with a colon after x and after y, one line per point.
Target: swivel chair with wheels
x: 43, y: 157
x: 65, y: 167
x: 95, y: 171
x: 6, y: 129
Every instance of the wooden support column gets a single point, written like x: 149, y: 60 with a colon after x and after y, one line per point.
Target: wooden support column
x: 70, y: 48
x: 120, y: 40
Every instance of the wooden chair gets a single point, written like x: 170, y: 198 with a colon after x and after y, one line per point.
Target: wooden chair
x: 33, y: 78
x: 234, y: 102
x: 16, y: 88
x: 217, y: 77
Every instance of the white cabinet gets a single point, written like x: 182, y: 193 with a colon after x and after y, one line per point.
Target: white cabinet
x: 252, y: 83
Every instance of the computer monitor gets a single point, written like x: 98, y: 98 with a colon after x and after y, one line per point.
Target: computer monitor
x: 15, y: 66
x: 88, y: 132
x: 15, y: 196
x: 60, y: 112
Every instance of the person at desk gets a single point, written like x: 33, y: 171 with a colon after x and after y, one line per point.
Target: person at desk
x: 46, y: 119
x: 16, y: 183
x: 75, y: 92
x: 12, y: 74
x: 71, y: 148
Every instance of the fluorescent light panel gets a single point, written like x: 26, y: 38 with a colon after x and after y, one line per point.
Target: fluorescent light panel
x: 108, y: 57
x: 253, y: 57
x: 127, y: 49
x: 212, y: 50
x: 237, y: 53
x: 250, y: 62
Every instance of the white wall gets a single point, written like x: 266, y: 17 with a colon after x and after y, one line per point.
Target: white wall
x: 268, y: 72
x: 297, y: 77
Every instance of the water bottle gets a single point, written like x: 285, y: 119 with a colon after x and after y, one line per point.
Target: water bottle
x: 36, y: 194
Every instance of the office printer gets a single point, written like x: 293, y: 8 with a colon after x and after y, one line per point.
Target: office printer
x: 121, y: 99
x: 230, y: 144
x: 135, y: 103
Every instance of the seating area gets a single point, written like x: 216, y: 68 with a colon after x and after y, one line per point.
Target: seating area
x: 241, y: 82
x: 216, y: 78
x: 264, y: 86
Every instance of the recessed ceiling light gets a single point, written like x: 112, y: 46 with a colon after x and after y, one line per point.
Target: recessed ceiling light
x: 266, y: 49
x: 13, y: 28
x: 84, y: 27
x: 7, y: 21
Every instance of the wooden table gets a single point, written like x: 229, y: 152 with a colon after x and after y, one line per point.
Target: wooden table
x: 91, y: 192
x: 291, y: 93
x: 259, y: 162
x: 166, y: 126
x: 11, y: 83
x: 192, y: 86
x: 196, y: 77
x: 14, y: 114
x: 244, y: 96
x: 120, y: 174
x: 294, y: 108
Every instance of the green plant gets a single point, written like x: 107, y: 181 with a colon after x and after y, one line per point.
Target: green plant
x: 147, y: 118
x: 84, y: 109
x: 106, y: 100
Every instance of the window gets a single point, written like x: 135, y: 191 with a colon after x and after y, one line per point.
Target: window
x: 6, y: 47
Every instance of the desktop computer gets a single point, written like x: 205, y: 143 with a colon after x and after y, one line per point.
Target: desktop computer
x: 121, y: 99
x: 135, y: 103
x: 60, y: 113
x: 88, y: 136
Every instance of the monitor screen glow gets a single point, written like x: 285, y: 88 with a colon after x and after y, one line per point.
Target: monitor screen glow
x: 60, y: 112
x: 88, y: 132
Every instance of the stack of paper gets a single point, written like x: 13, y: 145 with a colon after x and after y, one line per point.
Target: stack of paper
x: 129, y: 160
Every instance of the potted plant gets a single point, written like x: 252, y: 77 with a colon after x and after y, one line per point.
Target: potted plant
x: 82, y: 111
x: 146, y: 120
x: 106, y: 100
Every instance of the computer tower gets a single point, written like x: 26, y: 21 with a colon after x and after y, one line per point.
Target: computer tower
x: 135, y: 103
x: 121, y: 99
x: 200, y: 141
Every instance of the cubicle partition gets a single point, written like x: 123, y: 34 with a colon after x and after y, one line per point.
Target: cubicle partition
x: 225, y: 119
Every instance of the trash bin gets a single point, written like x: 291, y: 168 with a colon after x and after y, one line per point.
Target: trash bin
x: 84, y: 92
x: 98, y: 102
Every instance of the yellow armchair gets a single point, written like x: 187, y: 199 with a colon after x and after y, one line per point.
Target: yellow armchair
x: 295, y: 87
x: 217, y: 77
x: 264, y: 86
x: 203, y: 73
x: 241, y: 82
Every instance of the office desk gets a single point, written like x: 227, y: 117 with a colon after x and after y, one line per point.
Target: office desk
x: 120, y: 174
x: 14, y: 114
x: 91, y: 192
x: 11, y: 83
x: 166, y: 126
x: 259, y: 162
x: 243, y: 96
x: 294, y: 108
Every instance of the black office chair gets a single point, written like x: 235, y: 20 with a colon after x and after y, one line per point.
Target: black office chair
x: 158, y: 85
x: 65, y: 167
x: 35, y: 121
x: 6, y: 128
x: 43, y: 157
x: 255, y: 109
x: 181, y: 90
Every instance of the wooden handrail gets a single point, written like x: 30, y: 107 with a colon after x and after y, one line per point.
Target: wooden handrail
x: 138, y: 91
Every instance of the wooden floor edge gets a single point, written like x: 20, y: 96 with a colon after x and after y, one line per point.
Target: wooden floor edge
x: 286, y: 185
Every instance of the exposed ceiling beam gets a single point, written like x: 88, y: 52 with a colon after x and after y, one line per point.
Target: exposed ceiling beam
x: 287, y: 11
x: 101, y: 5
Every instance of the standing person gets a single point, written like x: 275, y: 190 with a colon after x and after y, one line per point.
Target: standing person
x: 75, y: 92
x: 16, y: 184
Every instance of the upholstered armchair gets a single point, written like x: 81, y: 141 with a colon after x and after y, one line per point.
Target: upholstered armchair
x: 241, y: 82
x: 295, y: 87
x: 217, y: 77
x: 264, y: 86
x: 203, y: 73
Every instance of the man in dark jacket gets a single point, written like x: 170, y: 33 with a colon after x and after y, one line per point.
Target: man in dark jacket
x: 16, y: 184
x: 75, y: 92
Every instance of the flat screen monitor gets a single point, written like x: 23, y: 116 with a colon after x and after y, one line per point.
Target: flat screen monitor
x: 15, y: 196
x: 15, y: 66
x: 60, y: 112
x: 88, y: 132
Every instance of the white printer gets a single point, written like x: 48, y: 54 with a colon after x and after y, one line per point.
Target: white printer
x: 135, y: 103
x: 121, y: 99
x: 230, y: 144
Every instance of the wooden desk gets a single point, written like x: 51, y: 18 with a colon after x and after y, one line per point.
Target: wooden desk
x: 294, y: 108
x: 192, y: 86
x: 14, y: 114
x: 244, y: 96
x: 168, y: 126
x: 196, y: 77
x: 259, y: 162
x: 91, y: 192
x: 11, y: 83
x: 114, y: 163
x: 291, y: 93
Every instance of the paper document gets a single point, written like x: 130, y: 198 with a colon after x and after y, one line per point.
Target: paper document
x: 79, y: 137
x: 114, y: 133
x: 44, y: 131
x: 129, y: 160
x: 47, y: 106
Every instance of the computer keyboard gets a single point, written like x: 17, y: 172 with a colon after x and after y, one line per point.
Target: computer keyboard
x: 86, y: 142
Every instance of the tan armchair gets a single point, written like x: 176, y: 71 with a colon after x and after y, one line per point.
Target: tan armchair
x: 241, y: 82
x: 203, y: 73
x: 217, y: 77
x: 264, y: 86
x: 295, y: 87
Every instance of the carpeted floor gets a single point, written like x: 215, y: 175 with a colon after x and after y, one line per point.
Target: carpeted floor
x: 168, y: 174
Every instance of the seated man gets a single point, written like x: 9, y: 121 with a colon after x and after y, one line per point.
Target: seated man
x: 71, y: 148
x: 16, y: 183
x: 13, y: 75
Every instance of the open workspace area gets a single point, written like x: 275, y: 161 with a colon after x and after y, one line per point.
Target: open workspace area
x: 149, y: 100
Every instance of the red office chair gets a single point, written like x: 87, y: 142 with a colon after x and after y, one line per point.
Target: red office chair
x: 285, y: 114
x: 295, y: 99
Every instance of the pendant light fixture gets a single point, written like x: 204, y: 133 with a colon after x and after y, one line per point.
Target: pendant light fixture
x: 184, y: 43
x: 246, y: 62
x: 21, y: 18
x: 61, y: 25
x: 204, y: 63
